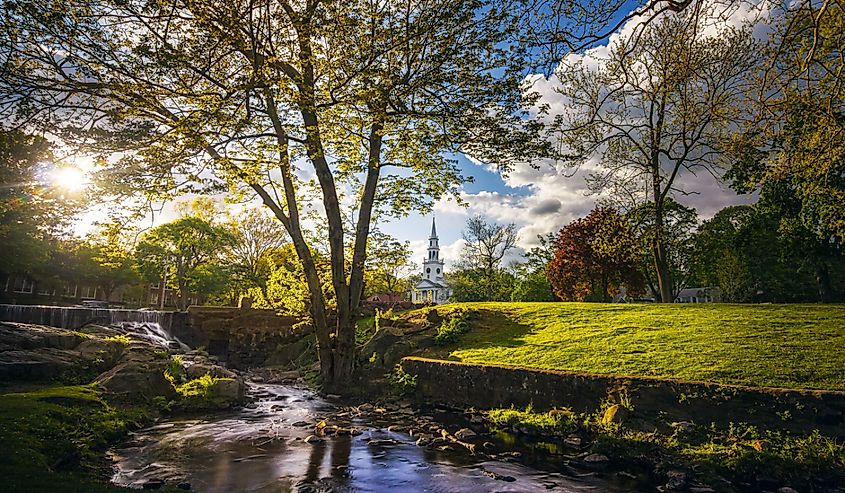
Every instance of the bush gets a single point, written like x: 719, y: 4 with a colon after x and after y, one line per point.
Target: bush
x: 174, y: 372
x: 402, y: 383
x: 120, y: 339
x: 554, y: 422
x: 455, y: 325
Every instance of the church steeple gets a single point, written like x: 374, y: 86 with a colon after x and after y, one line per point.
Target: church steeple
x: 433, y: 266
x: 433, y: 287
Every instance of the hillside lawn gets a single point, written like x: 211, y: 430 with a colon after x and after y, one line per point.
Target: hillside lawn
x: 788, y: 346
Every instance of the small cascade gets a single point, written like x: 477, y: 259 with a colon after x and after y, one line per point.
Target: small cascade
x: 153, y: 326
x: 151, y: 332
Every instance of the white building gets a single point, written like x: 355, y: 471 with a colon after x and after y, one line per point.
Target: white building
x: 433, y: 287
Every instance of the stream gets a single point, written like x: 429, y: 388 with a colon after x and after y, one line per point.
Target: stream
x: 263, y: 448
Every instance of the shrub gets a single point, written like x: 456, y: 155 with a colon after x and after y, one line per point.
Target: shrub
x: 120, y: 339
x: 452, y: 328
x: 556, y: 421
x: 401, y: 382
x: 174, y: 371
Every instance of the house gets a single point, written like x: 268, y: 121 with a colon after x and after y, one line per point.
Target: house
x: 25, y: 290
x: 699, y: 295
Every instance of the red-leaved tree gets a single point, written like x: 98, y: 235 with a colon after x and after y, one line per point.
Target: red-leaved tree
x: 594, y: 256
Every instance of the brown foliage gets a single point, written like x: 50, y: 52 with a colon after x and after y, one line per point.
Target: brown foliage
x: 594, y: 255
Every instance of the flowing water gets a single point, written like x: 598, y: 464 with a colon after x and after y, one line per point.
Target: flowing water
x: 264, y: 450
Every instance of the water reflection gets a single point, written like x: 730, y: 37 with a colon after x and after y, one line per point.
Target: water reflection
x: 264, y: 450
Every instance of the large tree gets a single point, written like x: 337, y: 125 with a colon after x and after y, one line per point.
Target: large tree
x: 531, y: 282
x: 793, y: 152
x: 485, y: 246
x: 183, y: 251
x: 280, y: 99
x: 594, y: 257
x: 111, y: 253
x: 390, y: 263
x: 744, y: 251
x: 659, y: 106
x: 255, y: 234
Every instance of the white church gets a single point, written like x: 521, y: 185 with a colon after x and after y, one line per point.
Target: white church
x: 433, y: 287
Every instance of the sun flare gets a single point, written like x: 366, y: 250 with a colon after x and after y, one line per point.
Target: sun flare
x: 70, y: 178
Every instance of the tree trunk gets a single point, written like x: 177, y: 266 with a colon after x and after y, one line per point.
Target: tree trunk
x: 605, y: 297
x: 661, y: 267
x: 823, y: 281
x: 183, y: 295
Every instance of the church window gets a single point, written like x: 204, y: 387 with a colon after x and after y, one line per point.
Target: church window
x: 438, y: 270
x: 428, y: 271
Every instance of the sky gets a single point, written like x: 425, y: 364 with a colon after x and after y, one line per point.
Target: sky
x: 538, y: 200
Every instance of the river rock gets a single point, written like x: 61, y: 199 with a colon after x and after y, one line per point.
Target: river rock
x: 153, y: 484
x: 572, y: 441
x: 497, y: 476
x: 596, y: 459
x: 786, y: 489
x: 465, y: 434
x: 684, y: 426
x: 313, y: 439
x: 677, y: 481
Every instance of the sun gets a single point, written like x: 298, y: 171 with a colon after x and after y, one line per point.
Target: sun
x: 70, y: 178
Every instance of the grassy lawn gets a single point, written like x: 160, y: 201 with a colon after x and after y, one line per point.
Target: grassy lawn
x: 791, y: 346
x: 54, y: 439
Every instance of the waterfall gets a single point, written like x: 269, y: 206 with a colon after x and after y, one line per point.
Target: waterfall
x: 151, y: 325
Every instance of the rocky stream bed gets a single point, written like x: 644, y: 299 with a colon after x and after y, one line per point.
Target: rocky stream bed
x: 291, y: 439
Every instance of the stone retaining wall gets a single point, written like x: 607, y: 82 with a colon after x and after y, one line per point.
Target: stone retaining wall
x: 242, y: 337
x: 653, y: 400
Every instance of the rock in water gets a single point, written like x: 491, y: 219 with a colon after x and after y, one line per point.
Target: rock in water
x: 464, y: 434
x: 596, y: 459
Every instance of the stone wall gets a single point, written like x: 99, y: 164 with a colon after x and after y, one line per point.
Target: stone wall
x: 242, y: 337
x: 653, y: 400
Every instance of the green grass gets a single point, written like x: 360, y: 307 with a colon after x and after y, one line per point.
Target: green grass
x: 554, y: 422
x: 54, y: 439
x: 789, y: 346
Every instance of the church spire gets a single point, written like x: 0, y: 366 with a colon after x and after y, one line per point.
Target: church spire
x: 433, y: 229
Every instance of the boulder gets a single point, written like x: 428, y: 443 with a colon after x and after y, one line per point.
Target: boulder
x: 138, y: 375
x: 228, y: 391
x: 199, y: 369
